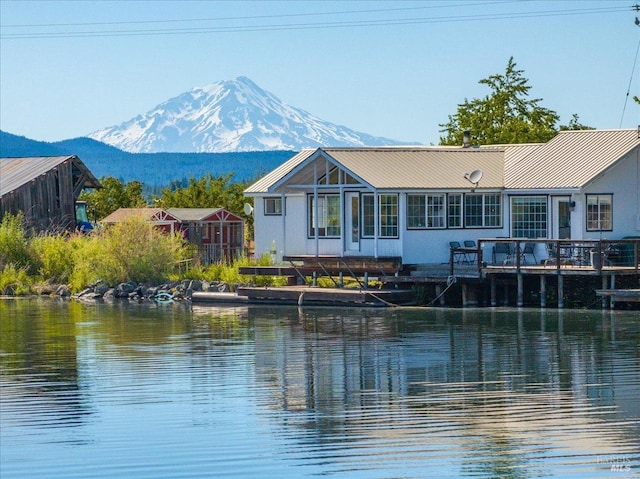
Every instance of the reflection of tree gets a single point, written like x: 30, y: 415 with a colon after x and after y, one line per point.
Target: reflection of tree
x: 39, y: 357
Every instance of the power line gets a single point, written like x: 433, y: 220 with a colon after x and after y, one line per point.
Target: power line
x: 309, y: 26
x: 254, y: 17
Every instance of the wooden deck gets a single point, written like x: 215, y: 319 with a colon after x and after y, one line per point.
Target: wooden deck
x: 621, y: 295
x: 307, y: 295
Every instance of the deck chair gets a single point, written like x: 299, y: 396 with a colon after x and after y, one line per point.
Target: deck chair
x: 458, y: 256
x: 470, y: 244
x: 529, y: 249
x: 502, y: 249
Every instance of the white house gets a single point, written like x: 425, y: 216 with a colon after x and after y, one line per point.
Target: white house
x: 410, y: 202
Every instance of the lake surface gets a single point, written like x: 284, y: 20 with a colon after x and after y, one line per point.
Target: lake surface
x: 174, y: 391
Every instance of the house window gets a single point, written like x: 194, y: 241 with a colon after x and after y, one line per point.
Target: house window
x: 388, y: 205
x: 454, y: 206
x: 482, y: 210
x: 599, y: 212
x: 273, y: 206
x: 328, y: 220
x: 529, y: 216
x: 416, y: 211
x: 425, y: 211
x: 368, y: 216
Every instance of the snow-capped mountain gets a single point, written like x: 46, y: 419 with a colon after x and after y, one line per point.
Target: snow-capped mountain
x: 228, y: 116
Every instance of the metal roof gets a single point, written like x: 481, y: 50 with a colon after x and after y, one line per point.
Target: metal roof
x: 397, y: 167
x: 123, y: 214
x: 572, y: 159
x: 264, y: 183
x: 193, y: 214
x: 422, y: 168
x: 16, y: 172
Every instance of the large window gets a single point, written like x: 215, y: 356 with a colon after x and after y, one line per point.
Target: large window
x: 529, y: 216
x: 599, y: 212
x: 368, y: 216
x: 482, y: 210
x: 454, y: 205
x: 328, y: 220
x: 426, y: 211
x: 273, y: 206
x: 388, y: 207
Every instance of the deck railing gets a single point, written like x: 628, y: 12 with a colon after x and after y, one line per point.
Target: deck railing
x: 597, y: 255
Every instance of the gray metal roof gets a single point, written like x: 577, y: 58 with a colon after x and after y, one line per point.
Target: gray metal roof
x: 572, y: 159
x: 399, y: 167
x: 422, y: 168
x: 192, y: 214
x: 264, y: 183
x: 16, y: 172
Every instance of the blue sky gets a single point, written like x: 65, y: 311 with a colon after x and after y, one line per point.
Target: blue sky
x: 394, y: 69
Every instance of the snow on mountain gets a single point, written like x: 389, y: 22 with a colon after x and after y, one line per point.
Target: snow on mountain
x: 228, y: 116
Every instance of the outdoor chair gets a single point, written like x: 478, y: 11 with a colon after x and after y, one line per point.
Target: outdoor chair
x: 503, y: 249
x: 459, y: 256
x: 529, y: 249
x: 471, y: 244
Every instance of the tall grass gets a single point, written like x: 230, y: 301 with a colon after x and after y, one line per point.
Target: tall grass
x: 14, y: 244
x: 129, y: 251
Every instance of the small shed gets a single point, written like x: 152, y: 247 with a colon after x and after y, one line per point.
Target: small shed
x: 159, y: 217
x: 45, y: 189
x: 218, y: 233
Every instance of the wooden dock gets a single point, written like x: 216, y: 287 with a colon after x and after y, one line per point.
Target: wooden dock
x: 308, y: 296
x: 621, y: 295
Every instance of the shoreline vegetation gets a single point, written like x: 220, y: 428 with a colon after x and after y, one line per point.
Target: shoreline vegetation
x: 129, y: 259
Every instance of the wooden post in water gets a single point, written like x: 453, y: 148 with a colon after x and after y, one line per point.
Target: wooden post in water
x: 492, y: 287
x: 543, y: 291
x: 520, y: 300
x: 560, y: 291
x: 612, y: 302
x: 604, y: 296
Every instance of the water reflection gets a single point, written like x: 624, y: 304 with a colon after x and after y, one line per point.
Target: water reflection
x: 170, y: 391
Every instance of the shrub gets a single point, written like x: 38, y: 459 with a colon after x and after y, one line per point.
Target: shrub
x: 55, y: 258
x: 135, y: 250
x: 14, y: 280
x: 14, y: 245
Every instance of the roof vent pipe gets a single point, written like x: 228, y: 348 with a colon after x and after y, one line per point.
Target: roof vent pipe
x: 466, y: 139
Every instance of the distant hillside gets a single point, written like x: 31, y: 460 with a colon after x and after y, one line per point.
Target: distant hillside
x: 152, y: 169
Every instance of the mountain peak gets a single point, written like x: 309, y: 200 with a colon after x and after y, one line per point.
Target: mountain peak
x: 227, y: 116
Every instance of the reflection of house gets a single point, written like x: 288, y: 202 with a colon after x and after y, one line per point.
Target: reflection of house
x: 44, y: 189
x: 218, y: 233
x: 410, y: 202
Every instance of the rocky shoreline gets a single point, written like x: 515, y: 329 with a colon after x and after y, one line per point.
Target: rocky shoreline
x: 138, y: 292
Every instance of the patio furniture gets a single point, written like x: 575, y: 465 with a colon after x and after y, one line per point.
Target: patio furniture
x: 529, y: 249
x: 472, y: 250
x: 505, y: 250
x: 460, y: 254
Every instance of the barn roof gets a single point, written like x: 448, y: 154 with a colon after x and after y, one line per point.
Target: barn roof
x: 16, y: 172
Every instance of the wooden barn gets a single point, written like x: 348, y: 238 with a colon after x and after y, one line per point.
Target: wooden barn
x: 45, y: 189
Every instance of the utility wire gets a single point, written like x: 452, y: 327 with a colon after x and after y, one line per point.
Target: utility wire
x: 633, y: 69
x: 309, y: 26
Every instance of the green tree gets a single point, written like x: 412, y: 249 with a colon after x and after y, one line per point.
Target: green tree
x: 114, y: 194
x: 504, y: 116
x: 574, y: 124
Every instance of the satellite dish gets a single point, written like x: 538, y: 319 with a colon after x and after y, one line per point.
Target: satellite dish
x: 248, y: 209
x: 474, y: 177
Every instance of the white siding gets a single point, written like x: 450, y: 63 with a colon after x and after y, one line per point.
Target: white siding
x: 623, y: 180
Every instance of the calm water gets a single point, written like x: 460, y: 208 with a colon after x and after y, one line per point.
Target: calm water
x: 103, y: 391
